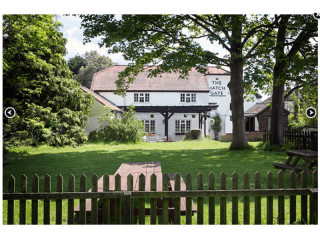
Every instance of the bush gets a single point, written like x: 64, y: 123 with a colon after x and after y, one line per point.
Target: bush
x: 125, y: 128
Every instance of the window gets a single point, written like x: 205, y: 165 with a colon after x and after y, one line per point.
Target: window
x: 141, y: 97
x: 187, y: 97
x: 149, y: 126
x: 183, y: 126
x: 182, y: 97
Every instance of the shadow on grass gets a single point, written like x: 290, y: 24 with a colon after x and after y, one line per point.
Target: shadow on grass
x: 172, y: 161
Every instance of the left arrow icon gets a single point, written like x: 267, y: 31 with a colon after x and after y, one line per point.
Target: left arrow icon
x: 10, y: 112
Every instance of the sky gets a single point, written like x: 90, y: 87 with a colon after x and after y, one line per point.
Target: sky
x: 72, y: 31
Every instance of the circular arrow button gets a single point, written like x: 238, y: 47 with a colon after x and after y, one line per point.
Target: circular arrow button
x: 10, y: 112
x: 311, y: 112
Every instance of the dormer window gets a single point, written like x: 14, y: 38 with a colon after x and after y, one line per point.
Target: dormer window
x: 187, y: 97
x: 141, y: 97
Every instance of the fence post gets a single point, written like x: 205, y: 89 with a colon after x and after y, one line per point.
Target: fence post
x: 176, y: 212
x: 223, y: 203
x: 117, y: 210
x: 293, y: 202
x: 153, y: 201
x: 211, y: 199
x: 246, y: 199
x: 34, y: 202
x: 235, y: 199
x: 142, y: 186
x: 59, y: 201
x: 200, y: 200
x: 304, y: 198
x: 280, y: 198
x: 46, y: 202
x: 106, y: 201
x: 71, y: 188
x: 23, y: 189
x: 165, y: 201
x: 11, y: 189
x: 130, y: 188
x: 127, y: 207
x: 188, y: 199
x: 257, y: 212
x: 269, y: 199
x: 304, y: 140
x: 83, y: 188
x: 94, y: 201
x: 314, y: 200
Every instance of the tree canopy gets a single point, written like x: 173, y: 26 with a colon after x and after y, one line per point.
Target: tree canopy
x: 93, y: 62
x: 171, y: 43
x: 291, y: 59
x: 50, y: 106
x: 75, y: 63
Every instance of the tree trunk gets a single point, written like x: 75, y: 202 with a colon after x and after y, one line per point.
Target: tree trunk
x: 239, y: 140
x: 276, y: 137
x: 277, y: 105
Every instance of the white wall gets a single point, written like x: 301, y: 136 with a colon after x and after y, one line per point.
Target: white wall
x: 156, y: 99
x: 113, y: 98
x: 220, y: 94
x: 160, y: 125
x: 96, y: 112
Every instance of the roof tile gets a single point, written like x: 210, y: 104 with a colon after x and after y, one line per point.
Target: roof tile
x: 105, y: 80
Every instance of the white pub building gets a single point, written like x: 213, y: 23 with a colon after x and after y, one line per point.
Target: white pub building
x: 170, y: 107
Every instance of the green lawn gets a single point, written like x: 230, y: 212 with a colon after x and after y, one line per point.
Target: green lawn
x: 183, y: 157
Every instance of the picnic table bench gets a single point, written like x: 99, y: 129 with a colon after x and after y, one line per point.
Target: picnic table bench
x: 135, y: 169
x: 310, y: 160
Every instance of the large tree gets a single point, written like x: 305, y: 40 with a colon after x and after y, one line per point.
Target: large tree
x: 50, y: 106
x: 170, y: 43
x: 93, y: 63
x: 291, y: 58
x: 75, y: 63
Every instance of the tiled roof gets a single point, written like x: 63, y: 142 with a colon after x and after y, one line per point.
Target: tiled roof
x: 217, y: 71
x: 258, y: 107
x: 105, y: 80
x: 101, y: 99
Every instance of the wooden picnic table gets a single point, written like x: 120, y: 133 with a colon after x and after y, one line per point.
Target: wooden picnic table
x: 310, y: 160
x: 135, y: 169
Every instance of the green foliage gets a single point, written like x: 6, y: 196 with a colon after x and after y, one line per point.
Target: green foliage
x: 299, y: 60
x: 76, y: 63
x: 125, y: 128
x: 93, y: 63
x: 168, y: 41
x: 308, y: 98
x: 50, y: 106
x: 216, y: 123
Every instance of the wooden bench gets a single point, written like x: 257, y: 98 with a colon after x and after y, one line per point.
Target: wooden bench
x: 285, y: 167
x: 310, y: 159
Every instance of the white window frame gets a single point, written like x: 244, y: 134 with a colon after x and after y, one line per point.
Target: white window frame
x: 188, y: 97
x: 141, y: 97
x: 148, y: 125
x: 182, y: 126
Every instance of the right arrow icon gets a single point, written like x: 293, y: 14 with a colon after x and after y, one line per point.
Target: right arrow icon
x: 311, y: 112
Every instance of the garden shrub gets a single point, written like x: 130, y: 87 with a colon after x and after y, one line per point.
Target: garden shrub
x: 113, y: 127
